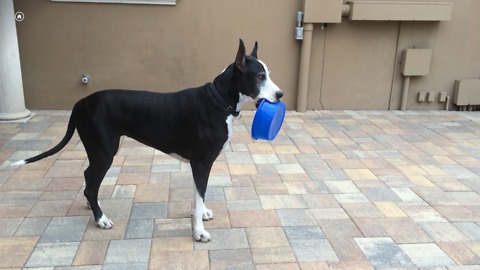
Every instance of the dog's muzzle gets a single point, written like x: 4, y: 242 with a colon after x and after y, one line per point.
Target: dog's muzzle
x: 278, y: 96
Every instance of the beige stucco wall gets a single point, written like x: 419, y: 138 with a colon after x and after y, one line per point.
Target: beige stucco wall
x: 354, y: 64
x: 158, y: 48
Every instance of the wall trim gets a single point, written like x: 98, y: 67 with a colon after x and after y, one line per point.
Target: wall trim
x: 139, y: 2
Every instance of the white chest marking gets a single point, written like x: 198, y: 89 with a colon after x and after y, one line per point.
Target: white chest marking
x: 229, y: 121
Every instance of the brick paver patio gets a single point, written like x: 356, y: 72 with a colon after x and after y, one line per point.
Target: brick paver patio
x: 335, y: 190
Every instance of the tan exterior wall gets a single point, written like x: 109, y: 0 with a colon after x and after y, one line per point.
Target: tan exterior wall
x: 158, y: 48
x: 354, y: 64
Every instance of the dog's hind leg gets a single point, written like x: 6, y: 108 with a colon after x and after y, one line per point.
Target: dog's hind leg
x: 93, y: 178
x: 100, y: 149
x: 201, y: 172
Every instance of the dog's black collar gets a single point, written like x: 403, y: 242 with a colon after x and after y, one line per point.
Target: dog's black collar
x: 220, y: 101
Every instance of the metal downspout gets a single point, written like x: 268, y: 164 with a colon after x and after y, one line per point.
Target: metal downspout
x: 304, y: 69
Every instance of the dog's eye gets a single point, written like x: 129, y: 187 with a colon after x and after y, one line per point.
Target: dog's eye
x: 262, y: 77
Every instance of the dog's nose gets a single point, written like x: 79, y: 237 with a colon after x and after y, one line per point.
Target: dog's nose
x: 279, y: 94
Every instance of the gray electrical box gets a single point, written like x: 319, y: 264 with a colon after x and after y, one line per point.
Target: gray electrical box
x: 416, y: 62
x: 388, y: 10
x: 467, y: 92
x: 324, y: 11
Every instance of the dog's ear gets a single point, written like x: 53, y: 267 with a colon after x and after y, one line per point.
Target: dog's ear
x: 240, y: 59
x: 254, y: 51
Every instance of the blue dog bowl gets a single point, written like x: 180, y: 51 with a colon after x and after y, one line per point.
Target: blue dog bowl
x: 268, y: 120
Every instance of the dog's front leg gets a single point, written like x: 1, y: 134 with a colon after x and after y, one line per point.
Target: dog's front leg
x: 201, y: 171
x: 207, y: 213
x: 199, y: 232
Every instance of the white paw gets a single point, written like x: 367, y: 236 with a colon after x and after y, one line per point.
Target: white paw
x: 105, y: 223
x: 201, y: 236
x: 207, y: 214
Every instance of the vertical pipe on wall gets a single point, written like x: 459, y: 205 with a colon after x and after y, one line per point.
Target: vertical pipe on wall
x: 12, y: 102
x: 406, y: 85
x: 304, y: 69
x: 395, y: 64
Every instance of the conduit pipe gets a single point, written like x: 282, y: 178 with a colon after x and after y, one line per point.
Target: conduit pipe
x: 406, y: 84
x: 304, y: 70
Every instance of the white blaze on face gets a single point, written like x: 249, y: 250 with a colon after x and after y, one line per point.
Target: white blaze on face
x: 269, y: 89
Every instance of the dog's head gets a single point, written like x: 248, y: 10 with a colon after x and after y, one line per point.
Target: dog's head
x: 254, y: 78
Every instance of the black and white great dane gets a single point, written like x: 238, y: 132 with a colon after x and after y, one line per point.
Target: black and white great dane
x: 192, y: 125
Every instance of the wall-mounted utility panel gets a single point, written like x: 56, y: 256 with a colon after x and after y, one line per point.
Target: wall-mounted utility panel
x: 467, y: 92
x: 442, y: 96
x: 416, y: 62
x: 430, y: 97
x: 400, y: 11
x: 421, y: 96
x: 324, y: 11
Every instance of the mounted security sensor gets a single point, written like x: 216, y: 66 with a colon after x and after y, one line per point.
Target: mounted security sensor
x: 85, y: 78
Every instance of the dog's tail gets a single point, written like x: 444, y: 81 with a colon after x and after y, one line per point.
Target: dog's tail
x: 58, y: 147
